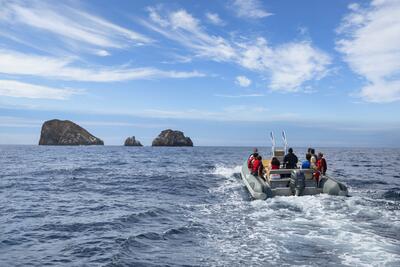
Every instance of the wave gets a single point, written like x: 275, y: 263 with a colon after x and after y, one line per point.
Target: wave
x: 362, y: 183
x: 392, y: 194
x: 226, y: 171
x: 139, y: 216
x: 69, y: 171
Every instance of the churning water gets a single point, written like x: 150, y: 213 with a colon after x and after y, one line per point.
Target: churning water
x: 129, y: 206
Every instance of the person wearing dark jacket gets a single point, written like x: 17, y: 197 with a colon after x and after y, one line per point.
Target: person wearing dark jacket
x: 290, y: 160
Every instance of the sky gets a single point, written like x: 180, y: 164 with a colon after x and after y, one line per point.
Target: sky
x: 224, y: 72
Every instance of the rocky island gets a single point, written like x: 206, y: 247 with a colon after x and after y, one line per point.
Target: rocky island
x: 131, y: 141
x: 67, y: 133
x: 172, y: 138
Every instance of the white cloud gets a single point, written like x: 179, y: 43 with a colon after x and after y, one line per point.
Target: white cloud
x: 122, y: 124
x: 214, y: 19
x: 102, y: 53
x: 242, y: 81
x: 229, y: 113
x: 239, y: 113
x: 20, y: 89
x: 185, y: 29
x: 250, y: 9
x: 295, y: 63
x: 370, y: 43
x: 287, y: 66
x: 67, y: 23
x: 18, y: 122
x: 50, y: 67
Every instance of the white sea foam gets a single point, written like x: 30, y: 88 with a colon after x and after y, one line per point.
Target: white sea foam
x: 226, y: 171
x: 285, y: 227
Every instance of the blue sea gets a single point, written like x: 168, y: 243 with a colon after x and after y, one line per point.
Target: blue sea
x: 133, y: 206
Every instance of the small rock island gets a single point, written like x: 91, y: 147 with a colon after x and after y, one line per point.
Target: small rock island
x: 66, y: 133
x: 172, y: 138
x: 131, y: 141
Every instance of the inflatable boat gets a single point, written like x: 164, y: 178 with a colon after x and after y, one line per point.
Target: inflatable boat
x: 288, y: 182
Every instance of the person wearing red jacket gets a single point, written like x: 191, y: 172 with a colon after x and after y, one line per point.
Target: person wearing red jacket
x: 320, y: 167
x: 321, y: 164
x: 251, y: 158
x: 257, y: 167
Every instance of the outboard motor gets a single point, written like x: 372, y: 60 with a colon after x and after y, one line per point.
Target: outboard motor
x: 297, y: 182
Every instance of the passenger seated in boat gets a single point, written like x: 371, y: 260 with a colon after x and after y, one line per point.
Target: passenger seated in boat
x: 252, y: 157
x: 257, y: 166
x: 321, y: 164
x: 306, y: 164
x: 290, y: 160
x: 313, y: 160
x: 274, y: 165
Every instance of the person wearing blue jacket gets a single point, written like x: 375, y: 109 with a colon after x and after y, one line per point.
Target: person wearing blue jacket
x: 307, y: 163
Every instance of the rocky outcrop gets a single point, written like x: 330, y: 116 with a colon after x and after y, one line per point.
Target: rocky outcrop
x: 131, y: 141
x: 172, y: 138
x: 58, y: 132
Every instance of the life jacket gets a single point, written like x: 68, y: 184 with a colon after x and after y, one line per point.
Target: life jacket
x: 250, y: 161
x: 321, y: 165
x: 255, y: 166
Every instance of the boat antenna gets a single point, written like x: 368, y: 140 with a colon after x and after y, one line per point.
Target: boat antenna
x: 284, y: 140
x: 273, y: 142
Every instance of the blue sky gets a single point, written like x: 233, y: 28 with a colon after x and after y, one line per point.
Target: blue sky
x: 224, y: 72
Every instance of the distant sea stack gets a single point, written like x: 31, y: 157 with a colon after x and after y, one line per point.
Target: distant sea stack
x: 172, y: 138
x: 131, y: 141
x: 66, y: 133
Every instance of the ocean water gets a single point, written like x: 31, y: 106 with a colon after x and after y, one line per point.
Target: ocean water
x: 129, y: 206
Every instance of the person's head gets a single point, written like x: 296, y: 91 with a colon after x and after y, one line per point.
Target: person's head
x: 255, y: 150
x: 309, y: 150
x: 275, y: 161
x: 312, y: 151
x: 320, y: 155
x: 259, y: 157
x: 290, y: 150
x: 308, y: 156
x: 255, y: 155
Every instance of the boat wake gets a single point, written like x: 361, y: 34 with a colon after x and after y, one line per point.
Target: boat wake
x: 351, y: 231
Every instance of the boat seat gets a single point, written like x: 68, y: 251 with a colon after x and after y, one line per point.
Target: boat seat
x: 283, y: 182
x: 281, y: 171
x: 308, y: 173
